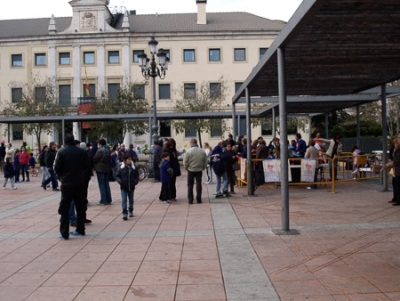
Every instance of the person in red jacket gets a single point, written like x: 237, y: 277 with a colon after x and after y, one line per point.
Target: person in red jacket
x: 24, y: 161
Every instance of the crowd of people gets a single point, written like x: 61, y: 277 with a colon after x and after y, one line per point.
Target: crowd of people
x: 75, y: 162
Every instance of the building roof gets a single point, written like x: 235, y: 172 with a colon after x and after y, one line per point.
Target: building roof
x: 156, y: 23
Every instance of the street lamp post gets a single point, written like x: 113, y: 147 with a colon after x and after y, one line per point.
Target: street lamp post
x: 150, y: 69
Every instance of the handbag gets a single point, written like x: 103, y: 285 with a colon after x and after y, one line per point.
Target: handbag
x: 236, y: 166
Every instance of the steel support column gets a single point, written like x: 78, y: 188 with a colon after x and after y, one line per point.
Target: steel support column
x: 284, y: 146
x: 358, y: 126
x: 250, y: 183
x: 234, y: 123
x: 384, y: 137
x: 273, y: 123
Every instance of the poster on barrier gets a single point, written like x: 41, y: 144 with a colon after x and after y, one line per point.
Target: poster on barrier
x: 243, y: 163
x: 272, y: 170
x: 307, y: 170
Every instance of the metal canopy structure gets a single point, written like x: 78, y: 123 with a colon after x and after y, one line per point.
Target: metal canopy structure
x: 116, y: 117
x: 332, y: 47
x: 328, y: 47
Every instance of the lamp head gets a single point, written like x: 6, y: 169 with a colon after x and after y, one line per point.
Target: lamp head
x: 153, y: 45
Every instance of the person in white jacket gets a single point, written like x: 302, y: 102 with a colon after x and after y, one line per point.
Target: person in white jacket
x: 195, y: 161
x: 10, y: 151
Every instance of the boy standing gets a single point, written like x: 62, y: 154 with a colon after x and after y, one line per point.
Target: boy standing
x: 127, y: 177
x: 165, y: 176
x: 9, y: 173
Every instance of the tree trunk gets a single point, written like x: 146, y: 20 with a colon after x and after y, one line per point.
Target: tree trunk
x: 199, y: 134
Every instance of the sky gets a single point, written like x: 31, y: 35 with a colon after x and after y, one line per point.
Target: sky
x: 271, y: 9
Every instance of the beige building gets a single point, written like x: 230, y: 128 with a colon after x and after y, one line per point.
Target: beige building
x: 202, y: 47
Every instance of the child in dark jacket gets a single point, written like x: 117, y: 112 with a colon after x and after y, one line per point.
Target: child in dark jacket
x: 166, y: 172
x: 9, y: 174
x: 127, y: 177
x: 32, y: 161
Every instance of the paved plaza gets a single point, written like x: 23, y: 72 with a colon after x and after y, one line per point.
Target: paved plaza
x: 222, y: 249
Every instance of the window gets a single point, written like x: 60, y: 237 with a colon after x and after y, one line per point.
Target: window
x: 262, y: 52
x: 135, y: 55
x: 40, y: 93
x: 139, y: 91
x: 16, y: 60
x: 40, y: 59
x: 188, y: 55
x: 64, y: 58
x: 216, y: 130
x: 164, y: 91
x: 92, y: 90
x: 17, y: 131
x: 113, y: 57
x: 190, y: 133
x: 214, y: 55
x: 189, y: 90
x: 165, y: 129
x: 113, y: 91
x: 167, y: 53
x: 237, y: 86
x: 240, y: 54
x: 65, y: 95
x: 16, y: 95
x: 266, y: 128
x: 242, y: 126
x: 215, y: 90
x: 88, y: 57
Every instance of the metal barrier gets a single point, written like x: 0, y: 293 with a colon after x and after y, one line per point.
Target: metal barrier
x: 367, y: 167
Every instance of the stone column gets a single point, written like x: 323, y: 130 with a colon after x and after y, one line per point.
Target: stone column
x: 101, y: 69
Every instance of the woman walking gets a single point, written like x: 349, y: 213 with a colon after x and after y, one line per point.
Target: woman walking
x: 42, y: 162
x: 208, y: 150
x: 24, y: 162
x: 170, y: 148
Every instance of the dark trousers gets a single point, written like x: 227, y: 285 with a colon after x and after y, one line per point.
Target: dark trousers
x: 156, y: 170
x: 192, y: 175
x: 231, y: 179
x: 17, y: 169
x: 396, y: 190
x: 69, y: 194
x: 172, y: 187
x: 24, y: 170
x: 164, y: 194
x: 52, y: 179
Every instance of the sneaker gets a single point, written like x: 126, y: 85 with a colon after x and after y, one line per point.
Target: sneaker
x: 4, y: 188
x: 56, y: 189
x: 165, y: 202
x: 124, y: 217
x: 131, y: 214
x: 14, y: 187
x: 309, y: 187
x: 62, y: 237
x: 73, y: 224
x: 88, y: 221
x: 76, y: 233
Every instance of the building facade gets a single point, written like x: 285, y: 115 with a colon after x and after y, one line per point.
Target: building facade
x: 98, y: 50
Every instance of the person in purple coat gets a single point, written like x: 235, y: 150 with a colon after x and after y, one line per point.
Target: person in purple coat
x: 166, y: 172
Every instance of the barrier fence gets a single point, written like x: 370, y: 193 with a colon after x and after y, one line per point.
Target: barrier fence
x: 349, y: 168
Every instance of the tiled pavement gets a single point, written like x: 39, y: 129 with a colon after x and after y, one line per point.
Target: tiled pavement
x: 223, y: 249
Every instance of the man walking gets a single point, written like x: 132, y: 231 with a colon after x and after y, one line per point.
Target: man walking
x: 70, y: 165
x: 195, y: 161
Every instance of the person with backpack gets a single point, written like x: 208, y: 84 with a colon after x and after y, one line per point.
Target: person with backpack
x: 218, y: 166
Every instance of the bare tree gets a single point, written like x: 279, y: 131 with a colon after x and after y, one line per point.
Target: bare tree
x: 36, y: 98
x: 125, y: 102
x: 206, y: 98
